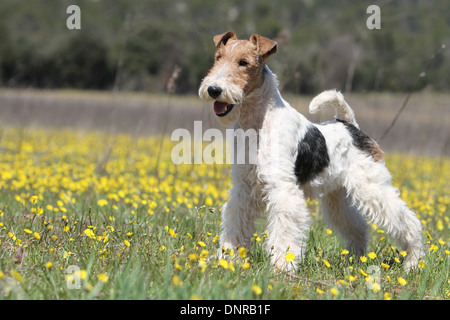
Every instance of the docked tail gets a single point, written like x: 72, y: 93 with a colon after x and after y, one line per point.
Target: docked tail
x: 335, y: 99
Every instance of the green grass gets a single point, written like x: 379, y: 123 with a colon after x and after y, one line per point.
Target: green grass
x: 101, y: 211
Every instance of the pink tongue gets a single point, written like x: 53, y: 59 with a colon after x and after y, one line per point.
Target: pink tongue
x: 219, y: 107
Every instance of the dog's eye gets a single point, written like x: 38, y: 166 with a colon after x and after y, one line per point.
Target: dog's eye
x: 243, y: 63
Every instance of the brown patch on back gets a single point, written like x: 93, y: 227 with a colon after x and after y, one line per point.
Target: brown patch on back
x: 377, y: 153
x: 363, y: 142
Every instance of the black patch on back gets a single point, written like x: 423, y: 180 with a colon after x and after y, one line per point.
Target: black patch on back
x: 312, y: 155
x: 360, y: 140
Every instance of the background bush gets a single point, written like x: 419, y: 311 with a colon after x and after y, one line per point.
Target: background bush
x: 136, y: 45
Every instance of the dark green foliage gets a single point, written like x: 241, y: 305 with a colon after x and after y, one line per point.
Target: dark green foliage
x: 137, y: 45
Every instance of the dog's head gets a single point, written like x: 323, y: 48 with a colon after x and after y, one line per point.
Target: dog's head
x: 236, y: 72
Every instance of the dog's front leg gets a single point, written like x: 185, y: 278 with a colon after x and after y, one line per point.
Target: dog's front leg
x: 288, y: 227
x: 238, y: 216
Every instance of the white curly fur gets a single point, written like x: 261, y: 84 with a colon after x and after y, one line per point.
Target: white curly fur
x: 353, y: 188
x: 335, y: 99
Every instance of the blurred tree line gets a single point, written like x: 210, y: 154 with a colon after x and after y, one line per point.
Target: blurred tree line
x: 157, y: 45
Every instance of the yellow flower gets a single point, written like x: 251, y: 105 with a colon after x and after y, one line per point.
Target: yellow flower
x: 334, y: 292
x: 16, y: 275
x: 242, y: 252
x: 376, y: 286
x: 201, y: 243
x: 28, y: 231
x: 103, y: 277
x: 126, y: 243
x: 202, y: 265
x: 223, y: 263
x: 326, y: 263
x: 319, y: 291
x: 178, y: 266
x: 344, y: 252
x: 387, y: 296
x: 102, y: 202
x: 49, y: 265
x: 421, y: 264
x: 246, y: 265
x: 208, y: 202
x: 351, y: 278
x: 176, y: 281
x: 204, y: 254
x: 172, y: 233
x: 403, y: 253
x: 401, y: 281
x: 256, y: 289
x: 372, y: 255
x: 385, y: 266
x: 433, y: 248
x: 363, y: 258
x: 289, y: 257
x: 193, y: 256
x: 83, y: 274
x: 328, y: 231
x: 88, y: 232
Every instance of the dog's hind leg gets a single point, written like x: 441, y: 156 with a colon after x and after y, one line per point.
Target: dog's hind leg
x: 345, y: 219
x: 379, y: 202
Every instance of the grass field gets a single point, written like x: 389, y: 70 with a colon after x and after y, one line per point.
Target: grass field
x: 92, y: 215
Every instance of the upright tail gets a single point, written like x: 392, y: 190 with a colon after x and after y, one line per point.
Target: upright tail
x: 335, y: 99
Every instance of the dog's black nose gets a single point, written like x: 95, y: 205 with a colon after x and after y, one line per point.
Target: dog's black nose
x: 214, y: 91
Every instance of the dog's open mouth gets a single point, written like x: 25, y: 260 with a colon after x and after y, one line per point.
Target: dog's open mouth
x: 222, y: 108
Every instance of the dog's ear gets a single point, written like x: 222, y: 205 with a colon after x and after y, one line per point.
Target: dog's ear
x: 264, y: 46
x: 223, y: 38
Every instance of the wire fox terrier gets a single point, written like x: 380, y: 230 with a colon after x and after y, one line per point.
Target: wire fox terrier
x: 332, y: 161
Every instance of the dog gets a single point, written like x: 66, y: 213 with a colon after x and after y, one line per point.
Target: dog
x: 333, y: 161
